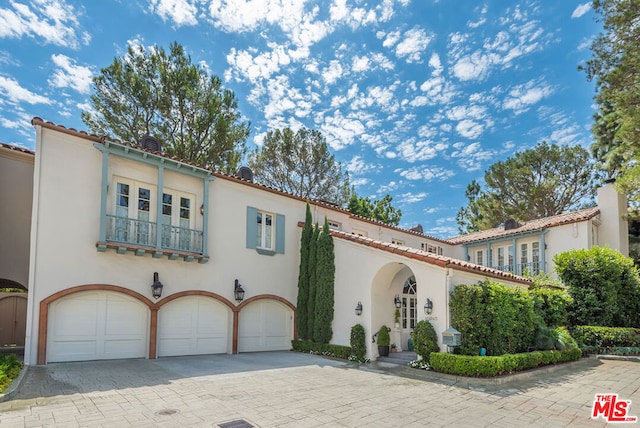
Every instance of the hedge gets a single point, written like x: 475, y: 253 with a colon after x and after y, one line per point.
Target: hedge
x: 9, y: 369
x: 610, y: 340
x: 474, y: 366
x: 326, y: 349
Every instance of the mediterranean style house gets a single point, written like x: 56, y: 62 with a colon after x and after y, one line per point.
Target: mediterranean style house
x: 129, y: 253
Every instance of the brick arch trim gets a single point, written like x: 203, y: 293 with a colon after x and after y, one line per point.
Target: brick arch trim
x: 257, y: 298
x: 43, y: 324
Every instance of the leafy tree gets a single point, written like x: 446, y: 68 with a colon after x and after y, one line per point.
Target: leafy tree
x: 615, y: 68
x: 544, y: 181
x: 300, y: 163
x: 302, y: 311
x: 325, y: 276
x: 380, y: 209
x: 165, y: 95
x: 313, y: 256
x: 604, y: 285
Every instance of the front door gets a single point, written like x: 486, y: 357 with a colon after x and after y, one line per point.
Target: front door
x: 408, y: 312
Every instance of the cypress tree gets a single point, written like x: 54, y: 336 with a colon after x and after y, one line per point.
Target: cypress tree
x: 302, y: 316
x: 311, y: 312
x: 325, y: 276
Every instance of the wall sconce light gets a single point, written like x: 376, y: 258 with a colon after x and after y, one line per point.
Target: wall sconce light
x: 359, y: 309
x: 428, y: 307
x: 238, y: 292
x: 202, y: 209
x: 156, y: 287
x: 397, y: 301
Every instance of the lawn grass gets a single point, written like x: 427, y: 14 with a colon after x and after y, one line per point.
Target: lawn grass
x: 9, y: 369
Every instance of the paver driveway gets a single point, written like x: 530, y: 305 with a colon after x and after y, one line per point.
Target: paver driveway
x: 282, y: 389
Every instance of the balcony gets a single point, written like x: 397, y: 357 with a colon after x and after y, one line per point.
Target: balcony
x: 123, y: 233
x: 532, y: 268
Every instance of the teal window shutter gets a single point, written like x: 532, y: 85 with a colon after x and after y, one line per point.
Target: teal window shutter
x: 279, y: 234
x: 252, y: 227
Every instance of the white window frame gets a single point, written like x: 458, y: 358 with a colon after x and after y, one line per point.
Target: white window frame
x: 480, y: 257
x: 397, y: 241
x: 261, y: 228
x: 334, y: 225
x: 359, y: 232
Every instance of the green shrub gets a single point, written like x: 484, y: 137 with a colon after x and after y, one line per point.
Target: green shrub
x: 604, y: 285
x: 425, y: 339
x: 383, y: 336
x: 598, y: 339
x: 9, y: 369
x: 358, y: 344
x: 475, y: 366
x: 492, y: 316
x: 326, y: 349
x: 551, y: 305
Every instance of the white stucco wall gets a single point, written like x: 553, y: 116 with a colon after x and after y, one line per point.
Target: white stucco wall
x: 16, y: 189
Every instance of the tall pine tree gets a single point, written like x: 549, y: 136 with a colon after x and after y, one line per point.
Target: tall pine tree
x: 302, y: 316
x: 325, y: 277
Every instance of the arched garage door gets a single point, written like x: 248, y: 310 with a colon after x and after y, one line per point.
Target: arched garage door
x: 97, y: 325
x: 193, y: 325
x: 265, y: 325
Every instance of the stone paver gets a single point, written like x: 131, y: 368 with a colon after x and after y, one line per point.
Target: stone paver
x: 284, y: 389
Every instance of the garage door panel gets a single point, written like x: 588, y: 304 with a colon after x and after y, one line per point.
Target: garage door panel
x: 193, y: 325
x: 96, y: 325
x: 265, y: 325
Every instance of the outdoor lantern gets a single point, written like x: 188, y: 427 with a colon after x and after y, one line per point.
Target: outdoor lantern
x: 156, y: 287
x: 202, y: 209
x: 397, y: 302
x: 359, y: 309
x: 428, y: 307
x: 238, y: 291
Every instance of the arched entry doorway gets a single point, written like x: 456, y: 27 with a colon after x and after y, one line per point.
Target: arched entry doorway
x: 408, y: 311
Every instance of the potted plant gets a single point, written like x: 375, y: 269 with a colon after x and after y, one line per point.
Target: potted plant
x: 397, y: 318
x: 384, y: 340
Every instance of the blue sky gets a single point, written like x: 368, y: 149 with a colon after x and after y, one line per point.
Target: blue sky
x: 415, y: 97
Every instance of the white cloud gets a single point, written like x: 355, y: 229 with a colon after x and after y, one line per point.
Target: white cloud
x: 70, y: 75
x: 333, y: 72
x: 522, y: 97
x: 262, y: 66
x: 358, y: 165
x: 470, y: 157
x: 434, y: 62
x: 472, y: 67
x: 54, y: 21
x: 425, y: 173
x: 11, y: 89
x: 581, y: 10
x: 469, y: 129
x: 361, y: 64
x: 412, y: 151
x: 412, y: 198
x: 181, y: 12
x: 342, y: 131
x: 414, y: 42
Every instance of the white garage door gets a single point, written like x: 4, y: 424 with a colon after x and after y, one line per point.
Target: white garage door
x: 97, y: 325
x: 193, y: 325
x: 265, y: 325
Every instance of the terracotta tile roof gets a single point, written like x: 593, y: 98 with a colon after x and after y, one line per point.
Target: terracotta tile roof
x: 430, y: 258
x: 530, y: 226
x: 17, y: 148
x: 102, y: 139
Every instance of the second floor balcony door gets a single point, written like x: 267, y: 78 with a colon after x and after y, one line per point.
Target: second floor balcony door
x: 133, y: 222
x: 177, y: 221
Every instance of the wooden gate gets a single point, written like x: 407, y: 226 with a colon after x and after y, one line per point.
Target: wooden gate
x: 13, y: 318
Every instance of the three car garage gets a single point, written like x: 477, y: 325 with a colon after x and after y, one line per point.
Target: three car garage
x: 108, y: 324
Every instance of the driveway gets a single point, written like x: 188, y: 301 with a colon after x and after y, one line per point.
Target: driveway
x: 285, y: 389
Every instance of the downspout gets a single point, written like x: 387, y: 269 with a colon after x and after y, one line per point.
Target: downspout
x: 543, y: 250
x: 448, y: 278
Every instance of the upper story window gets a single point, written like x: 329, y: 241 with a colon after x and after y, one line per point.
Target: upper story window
x: 397, y: 241
x: 265, y: 231
x: 479, y: 257
x: 137, y: 220
x: 524, y: 253
x: 264, y: 236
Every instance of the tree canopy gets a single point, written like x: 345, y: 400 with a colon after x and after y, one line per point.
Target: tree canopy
x: 163, y: 94
x: 377, y: 209
x: 300, y: 163
x: 615, y: 68
x: 544, y: 181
